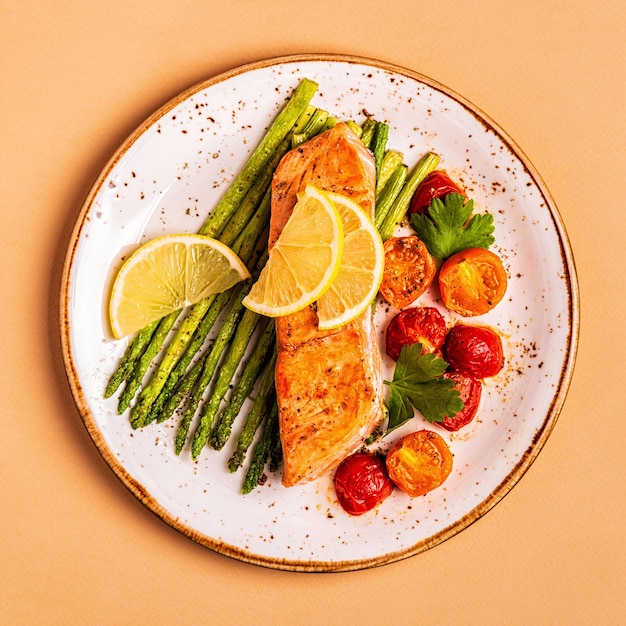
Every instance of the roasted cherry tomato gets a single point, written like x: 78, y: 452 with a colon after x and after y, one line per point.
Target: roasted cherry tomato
x: 419, y: 462
x: 470, y: 389
x: 436, y: 185
x: 409, y: 270
x: 362, y: 482
x: 474, y: 349
x: 420, y: 324
x: 472, y: 281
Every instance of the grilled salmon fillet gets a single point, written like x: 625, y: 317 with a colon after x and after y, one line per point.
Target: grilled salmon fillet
x: 328, y: 383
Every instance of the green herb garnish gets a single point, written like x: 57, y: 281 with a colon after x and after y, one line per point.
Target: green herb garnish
x: 449, y: 227
x: 418, y: 383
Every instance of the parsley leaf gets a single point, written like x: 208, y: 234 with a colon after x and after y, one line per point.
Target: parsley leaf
x: 418, y: 383
x: 449, y: 227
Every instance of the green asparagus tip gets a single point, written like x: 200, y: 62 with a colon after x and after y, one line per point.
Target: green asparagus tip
x: 218, y: 440
x: 236, y: 461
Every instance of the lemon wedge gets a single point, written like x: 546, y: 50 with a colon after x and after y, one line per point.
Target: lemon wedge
x: 361, y: 269
x: 305, y: 259
x: 169, y: 273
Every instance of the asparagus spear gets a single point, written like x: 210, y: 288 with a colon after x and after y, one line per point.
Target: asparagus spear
x: 264, y: 399
x: 355, y: 128
x: 224, y: 422
x: 134, y: 380
x: 390, y: 192
x: 276, y: 450
x: 261, y: 453
x: 367, y: 132
x: 424, y: 166
x: 379, y: 143
x: 133, y: 352
x: 314, y: 125
x: 392, y: 159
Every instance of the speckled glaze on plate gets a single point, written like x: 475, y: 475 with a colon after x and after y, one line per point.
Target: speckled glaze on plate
x: 167, y: 177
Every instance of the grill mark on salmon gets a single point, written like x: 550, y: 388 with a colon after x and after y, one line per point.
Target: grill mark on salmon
x: 328, y: 383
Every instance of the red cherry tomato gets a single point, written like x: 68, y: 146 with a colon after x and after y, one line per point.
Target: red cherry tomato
x: 472, y: 281
x: 474, y: 349
x: 436, y: 185
x: 470, y: 389
x: 419, y: 462
x: 362, y: 482
x: 420, y: 324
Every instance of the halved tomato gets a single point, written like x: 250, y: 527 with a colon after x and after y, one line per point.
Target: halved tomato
x: 470, y: 390
x: 422, y: 324
x: 419, y: 462
x: 409, y: 270
x: 472, y: 281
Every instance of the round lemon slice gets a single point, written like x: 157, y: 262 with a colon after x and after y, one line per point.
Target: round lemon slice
x: 361, y: 270
x: 305, y: 259
x: 169, y: 273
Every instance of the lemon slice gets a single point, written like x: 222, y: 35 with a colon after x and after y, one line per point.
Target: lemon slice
x: 169, y: 273
x: 361, y: 270
x: 305, y: 259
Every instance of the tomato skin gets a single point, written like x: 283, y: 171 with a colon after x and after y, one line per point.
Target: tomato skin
x: 409, y: 270
x: 470, y: 389
x: 362, y: 482
x: 474, y: 349
x: 436, y: 185
x: 419, y: 462
x: 472, y: 282
x: 419, y: 324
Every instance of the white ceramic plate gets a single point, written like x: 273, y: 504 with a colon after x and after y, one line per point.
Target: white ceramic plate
x: 167, y: 177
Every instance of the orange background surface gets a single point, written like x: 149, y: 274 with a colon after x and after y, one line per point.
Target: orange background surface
x: 77, y: 78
